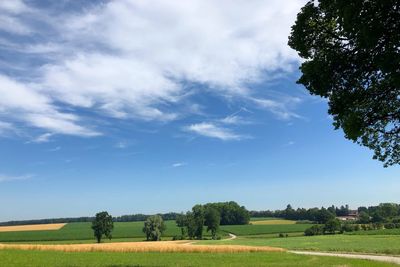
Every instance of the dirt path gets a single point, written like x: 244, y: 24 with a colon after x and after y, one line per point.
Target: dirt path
x: 231, y: 236
x: 391, y: 259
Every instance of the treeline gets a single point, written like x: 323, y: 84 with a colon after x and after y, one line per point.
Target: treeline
x: 123, y: 218
x: 211, y: 215
x: 383, y: 213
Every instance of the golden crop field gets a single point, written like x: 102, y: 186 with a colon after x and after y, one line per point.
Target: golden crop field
x: 271, y: 222
x: 33, y: 227
x: 160, y: 246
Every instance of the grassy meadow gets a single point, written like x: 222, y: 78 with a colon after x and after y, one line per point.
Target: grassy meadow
x: 17, y: 258
x: 258, y: 229
x: 82, y: 231
x: 374, y: 244
x: 261, y: 232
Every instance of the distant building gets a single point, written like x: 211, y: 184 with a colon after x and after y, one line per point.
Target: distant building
x: 353, y: 215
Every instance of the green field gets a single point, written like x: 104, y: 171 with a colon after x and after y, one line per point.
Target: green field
x: 380, y: 244
x: 132, y: 231
x: 82, y: 231
x: 376, y: 232
x: 17, y: 258
x: 264, y: 229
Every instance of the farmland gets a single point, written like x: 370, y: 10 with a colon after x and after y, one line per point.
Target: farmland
x: 16, y: 258
x: 379, y: 244
x: 127, y: 236
x: 82, y: 231
x: 264, y: 229
x: 35, y: 227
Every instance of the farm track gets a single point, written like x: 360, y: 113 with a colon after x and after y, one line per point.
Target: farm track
x: 160, y: 246
x: 382, y: 258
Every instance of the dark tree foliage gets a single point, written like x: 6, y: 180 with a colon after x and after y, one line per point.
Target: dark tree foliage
x: 231, y: 213
x: 199, y: 219
x: 352, y: 58
x: 212, y: 221
x: 102, y: 225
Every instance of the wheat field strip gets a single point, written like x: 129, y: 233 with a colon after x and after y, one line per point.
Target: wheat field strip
x: 32, y: 227
x: 161, y: 246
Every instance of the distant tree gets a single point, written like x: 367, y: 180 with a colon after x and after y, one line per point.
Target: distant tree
x: 198, y: 216
x: 154, y: 227
x: 324, y: 215
x: 212, y: 221
x: 331, y: 226
x: 231, y: 213
x: 351, y: 57
x: 363, y: 217
x: 314, y: 230
x: 102, y: 225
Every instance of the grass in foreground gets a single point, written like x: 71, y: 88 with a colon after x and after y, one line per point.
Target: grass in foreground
x: 379, y: 244
x: 14, y: 258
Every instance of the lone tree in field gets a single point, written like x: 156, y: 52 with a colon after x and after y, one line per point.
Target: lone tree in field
x: 102, y: 225
x: 154, y: 227
x: 212, y: 221
x: 352, y: 58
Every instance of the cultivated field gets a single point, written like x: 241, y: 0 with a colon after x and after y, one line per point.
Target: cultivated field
x: 82, y: 232
x: 17, y: 258
x: 161, y: 246
x: 264, y: 229
x: 33, y: 227
x: 261, y: 235
x: 379, y: 244
x: 272, y: 222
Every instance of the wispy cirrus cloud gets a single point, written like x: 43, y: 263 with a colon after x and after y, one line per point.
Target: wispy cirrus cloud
x: 132, y: 59
x: 212, y: 130
x: 9, y: 178
x: 178, y: 164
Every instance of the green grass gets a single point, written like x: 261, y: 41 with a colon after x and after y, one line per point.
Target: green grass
x: 376, y: 232
x: 82, y: 231
x: 264, y: 229
x: 17, y: 258
x: 380, y: 244
x: 253, y: 219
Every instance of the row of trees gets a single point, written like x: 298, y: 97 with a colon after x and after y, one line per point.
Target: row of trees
x: 383, y: 213
x: 192, y: 223
x: 210, y: 215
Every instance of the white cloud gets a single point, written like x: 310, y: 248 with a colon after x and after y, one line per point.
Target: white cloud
x: 290, y: 143
x: 57, y: 148
x: 9, y: 22
x: 179, y: 164
x: 121, y: 145
x: 131, y: 59
x: 211, y: 130
x: 8, y: 178
x: 43, y: 138
x: 22, y: 102
x: 5, y: 127
x: 282, y: 108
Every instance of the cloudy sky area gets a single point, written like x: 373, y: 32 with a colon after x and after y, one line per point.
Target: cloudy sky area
x: 152, y: 106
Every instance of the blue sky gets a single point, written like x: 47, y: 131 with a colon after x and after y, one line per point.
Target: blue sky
x: 154, y: 106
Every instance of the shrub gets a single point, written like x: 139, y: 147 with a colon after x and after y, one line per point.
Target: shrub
x: 389, y: 225
x: 314, y: 230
